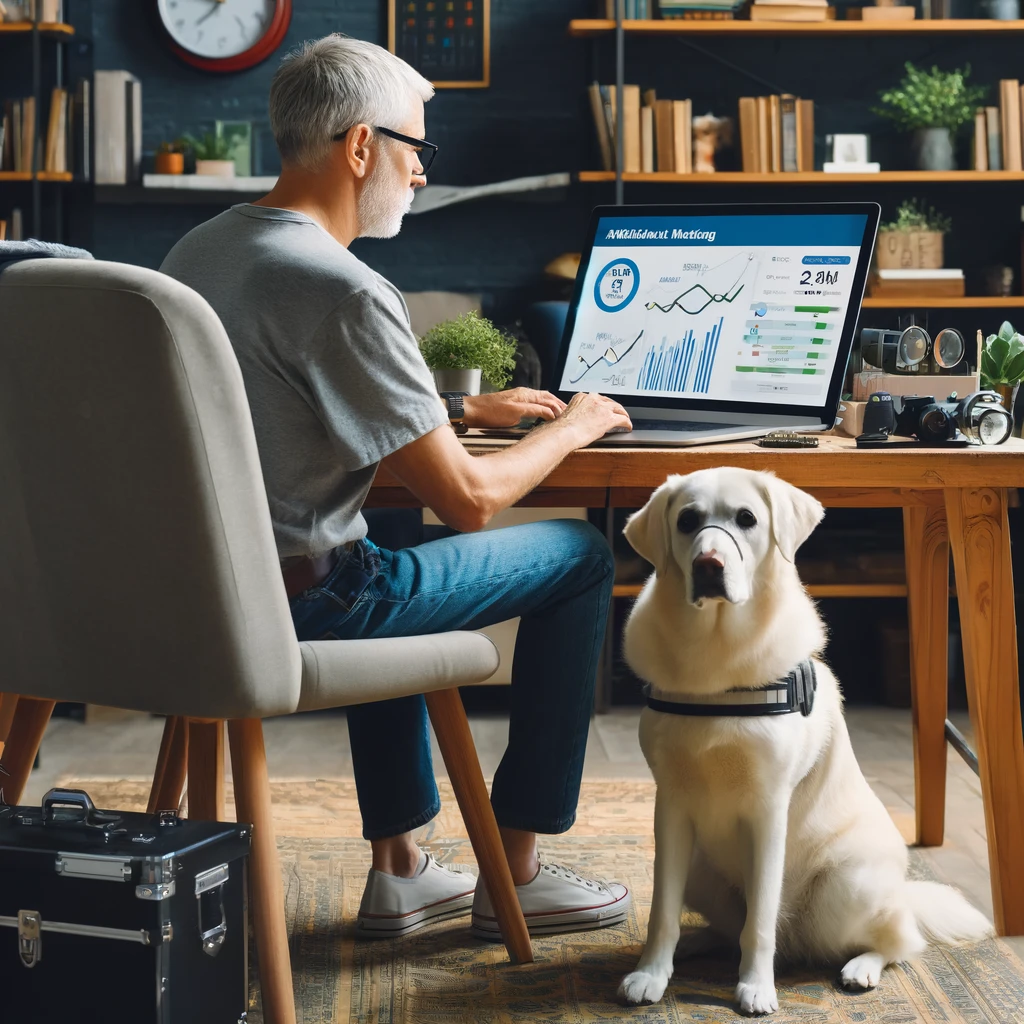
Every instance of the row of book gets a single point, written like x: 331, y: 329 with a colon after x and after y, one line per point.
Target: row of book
x: 39, y: 10
x: 633, y: 10
x: 65, y: 144
x: 657, y: 135
x: 998, y: 131
x: 12, y: 227
x: 776, y: 134
x: 791, y: 10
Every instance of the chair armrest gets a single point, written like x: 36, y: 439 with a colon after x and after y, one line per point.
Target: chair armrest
x: 340, y: 672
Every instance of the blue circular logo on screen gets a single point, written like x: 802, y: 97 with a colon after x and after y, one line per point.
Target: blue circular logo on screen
x: 617, y: 285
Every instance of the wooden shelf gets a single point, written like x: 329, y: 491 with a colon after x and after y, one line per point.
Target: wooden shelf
x: 588, y: 28
x: 805, y: 177
x: 46, y: 28
x: 40, y: 175
x: 15, y: 176
x: 814, y: 589
x: 937, y: 302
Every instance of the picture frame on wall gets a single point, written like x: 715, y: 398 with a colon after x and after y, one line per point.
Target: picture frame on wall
x: 446, y: 41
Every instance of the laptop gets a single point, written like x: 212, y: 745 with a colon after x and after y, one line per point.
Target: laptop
x: 716, y: 323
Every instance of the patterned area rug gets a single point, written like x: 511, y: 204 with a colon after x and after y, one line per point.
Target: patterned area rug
x: 443, y: 975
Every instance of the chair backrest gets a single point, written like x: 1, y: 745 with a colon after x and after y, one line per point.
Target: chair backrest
x: 137, y: 559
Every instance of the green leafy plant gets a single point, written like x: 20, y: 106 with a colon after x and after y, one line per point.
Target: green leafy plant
x: 931, y: 99
x: 468, y: 342
x: 1002, y: 358
x: 209, y: 147
x: 913, y: 215
x: 178, y: 146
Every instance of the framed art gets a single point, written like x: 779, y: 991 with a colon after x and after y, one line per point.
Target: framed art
x: 446, y: 41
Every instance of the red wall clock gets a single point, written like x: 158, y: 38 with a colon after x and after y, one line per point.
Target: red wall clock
x: 224, y: 35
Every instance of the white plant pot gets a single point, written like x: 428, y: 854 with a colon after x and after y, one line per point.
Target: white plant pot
x: 218, y: 168
x: 458, y: 380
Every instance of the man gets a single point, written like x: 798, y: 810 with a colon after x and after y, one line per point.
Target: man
x: 337, y: 385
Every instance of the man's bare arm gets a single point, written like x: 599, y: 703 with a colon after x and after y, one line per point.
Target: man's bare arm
x: 465, y: 491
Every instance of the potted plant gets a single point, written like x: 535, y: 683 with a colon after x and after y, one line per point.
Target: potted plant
x: 913, y: 239
x: 212, y: 155
x: 463, y: 350
x: 170, y: 158
x: 1001, y: 362
x: 933, y: 105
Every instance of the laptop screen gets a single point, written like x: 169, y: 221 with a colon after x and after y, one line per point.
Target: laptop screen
x: 700, y: 306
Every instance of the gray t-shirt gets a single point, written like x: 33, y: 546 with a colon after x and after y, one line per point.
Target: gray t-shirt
x: 334, y: 376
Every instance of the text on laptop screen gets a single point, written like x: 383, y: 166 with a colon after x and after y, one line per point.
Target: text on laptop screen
x: 747, y: 308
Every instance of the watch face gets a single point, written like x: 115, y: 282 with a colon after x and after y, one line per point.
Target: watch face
x: 217, y: 28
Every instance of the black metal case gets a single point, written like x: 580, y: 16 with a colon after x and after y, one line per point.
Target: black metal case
x: 108, y: 916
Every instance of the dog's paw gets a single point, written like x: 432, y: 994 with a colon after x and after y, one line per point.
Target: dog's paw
x: 643, y: 987
x: 756, y: 997
x: 863, y: 972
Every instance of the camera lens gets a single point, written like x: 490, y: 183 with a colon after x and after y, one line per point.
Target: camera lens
x: 994, y: 426
x: 949, y: 348
x: 934, y: 425
x: 913, y: 346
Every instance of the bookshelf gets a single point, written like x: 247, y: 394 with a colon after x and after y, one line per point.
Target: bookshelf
x: 50, y: 29
x: 589, y: 28
x: 807, y: 177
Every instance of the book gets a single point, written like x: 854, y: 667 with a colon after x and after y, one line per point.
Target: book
x: 631, y: 129
x: 647, y: 137
x: 3, y: 230
x: 50, y: 162
x: 775, y: 136
x: 764, y: 157
x: 111, y: 97
x: 805, y: 134
x: 81, y: 153
x: 787, y: 114
x: 1009, y: 105
x: 604, y: 140
x: 908, y: 282
x: 133, y: 128
x: 664, y: 145
x: 791, y: 12
x: 869, y: 168
x: 682, y: 136
x: 748, y: 134
x: 610, y: 109
x: 28, y: 136
x: 980, y: 141
x: 994, y: 137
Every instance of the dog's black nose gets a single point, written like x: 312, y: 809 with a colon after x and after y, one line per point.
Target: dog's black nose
x: 708, y: 576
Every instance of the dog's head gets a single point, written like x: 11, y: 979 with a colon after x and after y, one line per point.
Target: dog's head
x: 718, y: 527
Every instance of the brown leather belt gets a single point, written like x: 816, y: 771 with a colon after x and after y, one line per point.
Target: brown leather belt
x: 302, y: 573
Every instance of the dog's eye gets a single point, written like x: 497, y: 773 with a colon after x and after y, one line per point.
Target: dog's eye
x: 746, y: 519
x: 689, y: 520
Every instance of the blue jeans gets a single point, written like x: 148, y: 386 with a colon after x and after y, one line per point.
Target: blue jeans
x: 557, y: 576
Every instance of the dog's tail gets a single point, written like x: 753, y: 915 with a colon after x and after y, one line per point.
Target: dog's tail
x: 944, y: 916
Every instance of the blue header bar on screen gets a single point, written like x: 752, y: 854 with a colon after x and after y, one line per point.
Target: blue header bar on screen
x: 766, y: 229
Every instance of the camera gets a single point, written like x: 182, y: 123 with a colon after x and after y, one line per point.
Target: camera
x: 980, y: 418
x: 904, y: 351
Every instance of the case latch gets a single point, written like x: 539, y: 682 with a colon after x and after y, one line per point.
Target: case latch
x: 210, y: 897
x: 30, y: 941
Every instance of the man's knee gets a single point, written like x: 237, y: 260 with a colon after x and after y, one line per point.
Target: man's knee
x: 578, y: 539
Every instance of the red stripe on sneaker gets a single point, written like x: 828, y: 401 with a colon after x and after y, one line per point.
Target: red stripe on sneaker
x: 418, y: 910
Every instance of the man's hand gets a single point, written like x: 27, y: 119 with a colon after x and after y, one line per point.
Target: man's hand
x: 507, y: 408
x: 590, y: 416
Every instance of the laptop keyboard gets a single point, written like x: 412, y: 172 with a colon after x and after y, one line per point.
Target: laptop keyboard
x: 681, y: 426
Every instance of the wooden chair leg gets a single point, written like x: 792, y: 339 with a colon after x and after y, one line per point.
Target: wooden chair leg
x: 456, y: 742
x: 171, y: 767
x: 926, y: 545
x: 30, y: 720
x: 252, y: 804
x: 980, y: 539
x: 206, y: 770
x: 8, y: 702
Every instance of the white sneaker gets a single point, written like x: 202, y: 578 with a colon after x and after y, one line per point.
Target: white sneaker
x: 555, y: 900
x: 393, y: 906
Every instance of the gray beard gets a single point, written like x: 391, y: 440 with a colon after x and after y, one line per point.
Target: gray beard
x: 381, y: 207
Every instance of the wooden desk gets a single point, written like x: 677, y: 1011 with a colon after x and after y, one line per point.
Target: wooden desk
x: 951, y: 499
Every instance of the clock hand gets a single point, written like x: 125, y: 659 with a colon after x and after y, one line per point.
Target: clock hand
x: 213, y: 10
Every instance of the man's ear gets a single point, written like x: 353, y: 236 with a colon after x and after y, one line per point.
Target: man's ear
x: 649, y: 531
x: 795, y: 514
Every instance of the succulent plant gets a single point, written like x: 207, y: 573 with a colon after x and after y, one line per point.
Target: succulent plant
x: 1002, y: 358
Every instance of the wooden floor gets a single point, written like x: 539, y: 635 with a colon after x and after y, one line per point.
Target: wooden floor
x: 316, y: 746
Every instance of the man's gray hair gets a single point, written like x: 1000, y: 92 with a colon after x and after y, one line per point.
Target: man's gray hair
x: 327, y: 86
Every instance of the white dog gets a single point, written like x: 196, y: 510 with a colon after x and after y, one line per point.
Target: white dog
x: 764, y: 824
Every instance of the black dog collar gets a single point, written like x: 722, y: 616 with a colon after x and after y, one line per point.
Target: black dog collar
x: 793, y: 693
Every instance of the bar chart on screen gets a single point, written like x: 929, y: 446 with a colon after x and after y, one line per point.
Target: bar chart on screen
x: 794, y: 339
x: 666, y: 367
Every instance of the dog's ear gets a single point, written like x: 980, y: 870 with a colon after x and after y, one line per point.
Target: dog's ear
x: 795, y: 514
x: 649, y: 531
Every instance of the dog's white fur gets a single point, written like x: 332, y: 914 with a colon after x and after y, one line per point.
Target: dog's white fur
x: 765, y: 825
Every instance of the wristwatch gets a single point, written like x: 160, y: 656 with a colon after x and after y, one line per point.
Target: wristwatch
x: 456, y: 409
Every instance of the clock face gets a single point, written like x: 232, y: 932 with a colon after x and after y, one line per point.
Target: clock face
x: 217, y: 28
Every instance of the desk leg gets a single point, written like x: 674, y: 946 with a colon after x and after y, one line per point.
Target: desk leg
x: 979, y: 537
x: 926, y: 544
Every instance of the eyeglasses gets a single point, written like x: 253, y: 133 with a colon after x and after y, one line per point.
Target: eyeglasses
x: 426, y: 150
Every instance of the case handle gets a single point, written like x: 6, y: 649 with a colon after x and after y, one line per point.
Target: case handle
x: 89, y: 816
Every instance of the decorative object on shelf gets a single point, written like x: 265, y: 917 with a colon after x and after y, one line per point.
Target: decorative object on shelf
x: 17, y: 10
x: 710, y: 134
x: 700, y: 10
x: 446, y: 41
x: 998, y: 280
x: 465, y: 349
x: 1001, y: 363
x: 914, y: 239
x: 213, y: 35
x: 170, y: 158
x: 238, y: 136
x: 212, y: 155
x: 1000, y: 10
x: 117, y: 134
x: 792, y: 10
x: 849, y: 155
x: 881, y: 12
x: 933, y: 105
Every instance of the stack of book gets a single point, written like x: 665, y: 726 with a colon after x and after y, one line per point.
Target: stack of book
x: 791, y: 10
x: 19, y: 135
x: 700, y: 10
x: 633, y: 10
x: 998, y: 130
x: 776, y: 134
x: 909, y: 284
x: 657, y: 134
x: 64, y: 146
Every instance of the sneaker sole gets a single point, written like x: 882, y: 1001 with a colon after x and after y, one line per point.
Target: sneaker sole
x: 395, y: 927
x: 554, y: 925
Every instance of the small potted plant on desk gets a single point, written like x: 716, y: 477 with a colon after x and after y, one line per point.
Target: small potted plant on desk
x: 170, y: 158
x: 462, y: 351
x: 1001, y: 364
x: 913, y: 239
x: 933, y: 105
x: 212, y: 155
